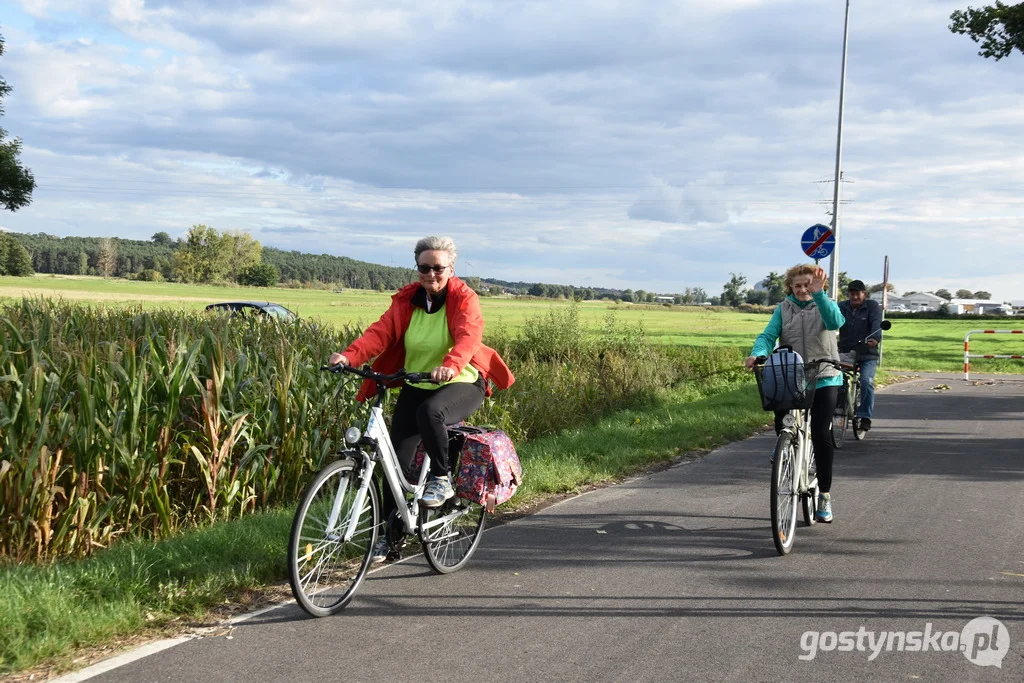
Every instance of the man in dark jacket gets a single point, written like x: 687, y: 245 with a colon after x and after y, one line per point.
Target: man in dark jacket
x: 859, y: 338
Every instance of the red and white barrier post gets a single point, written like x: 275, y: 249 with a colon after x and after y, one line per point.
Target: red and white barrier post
x: 967, y: 346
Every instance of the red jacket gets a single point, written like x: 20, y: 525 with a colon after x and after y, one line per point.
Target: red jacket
x: 385, y: 339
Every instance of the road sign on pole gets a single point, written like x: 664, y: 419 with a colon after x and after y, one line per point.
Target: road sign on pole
x: 818, y: 241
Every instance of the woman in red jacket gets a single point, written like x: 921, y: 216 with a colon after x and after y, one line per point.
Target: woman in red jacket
x: 432, y: 326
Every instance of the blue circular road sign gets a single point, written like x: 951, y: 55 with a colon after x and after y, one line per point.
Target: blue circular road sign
x: 818, y: 241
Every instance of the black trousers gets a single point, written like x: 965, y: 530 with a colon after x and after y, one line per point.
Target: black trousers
x: 821, y: 433
x: 424, y: 414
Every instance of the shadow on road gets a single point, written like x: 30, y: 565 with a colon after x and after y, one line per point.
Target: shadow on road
x: 798, y: 605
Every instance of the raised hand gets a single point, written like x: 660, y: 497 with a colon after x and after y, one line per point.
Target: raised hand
x: 818, y: 280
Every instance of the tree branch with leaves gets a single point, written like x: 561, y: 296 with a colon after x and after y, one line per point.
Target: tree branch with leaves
x: 16, y: 181
x: 999, y: 28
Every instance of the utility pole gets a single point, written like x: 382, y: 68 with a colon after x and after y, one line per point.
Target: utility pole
x: 833, y: 267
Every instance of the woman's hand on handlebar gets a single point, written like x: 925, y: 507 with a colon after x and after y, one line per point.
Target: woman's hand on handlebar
x: 337, y: 359
x: 750, y: 362
x: 442, y: 374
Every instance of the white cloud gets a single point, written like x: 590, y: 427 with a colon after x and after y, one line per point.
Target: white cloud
x: 658, y: 146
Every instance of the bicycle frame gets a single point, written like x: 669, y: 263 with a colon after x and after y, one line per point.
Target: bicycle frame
x: 383, y: 452
x: 793, y: 484
x: 801, y: 432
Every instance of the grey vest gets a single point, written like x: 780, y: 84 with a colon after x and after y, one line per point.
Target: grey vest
x: 804, y: 331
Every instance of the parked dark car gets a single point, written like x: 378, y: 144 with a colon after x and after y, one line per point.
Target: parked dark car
x: 247, y: 308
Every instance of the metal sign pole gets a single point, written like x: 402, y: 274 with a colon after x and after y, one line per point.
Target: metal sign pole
x: 834, y: 262
x: 885, y: 301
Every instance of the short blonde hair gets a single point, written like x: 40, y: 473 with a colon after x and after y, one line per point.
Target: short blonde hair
x: 798, y: 270
x: 433, y: 243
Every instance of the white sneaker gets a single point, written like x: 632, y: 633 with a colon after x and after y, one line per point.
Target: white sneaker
x: 381, y: 550
x: 824, y: 512
x: 436, y: 492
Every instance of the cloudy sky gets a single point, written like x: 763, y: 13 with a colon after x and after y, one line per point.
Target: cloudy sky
x: 654, y: 145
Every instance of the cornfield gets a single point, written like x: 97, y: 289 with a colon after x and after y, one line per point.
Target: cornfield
x: 123, y: 423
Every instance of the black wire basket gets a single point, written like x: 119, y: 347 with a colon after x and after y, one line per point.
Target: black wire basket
x: 788, y: 386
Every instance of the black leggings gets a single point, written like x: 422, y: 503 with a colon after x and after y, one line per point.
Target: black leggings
x: 821, y: 433
x: 424, y: 414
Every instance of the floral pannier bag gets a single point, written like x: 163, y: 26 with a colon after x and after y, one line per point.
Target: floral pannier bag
x: 489, y: 471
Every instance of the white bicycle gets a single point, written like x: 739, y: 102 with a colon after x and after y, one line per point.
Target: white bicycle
x: 339, y: 517
x: 794, y: 478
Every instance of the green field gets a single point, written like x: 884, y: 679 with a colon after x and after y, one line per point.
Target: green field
x: 681, y: 325
x: 921, y: 345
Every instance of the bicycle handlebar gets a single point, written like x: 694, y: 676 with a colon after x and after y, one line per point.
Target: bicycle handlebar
x: 759, y: 361
x: 366, y: 373
x: 886, y: 325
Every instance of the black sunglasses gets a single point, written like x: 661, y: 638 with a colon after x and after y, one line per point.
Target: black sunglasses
x: 424, y: 268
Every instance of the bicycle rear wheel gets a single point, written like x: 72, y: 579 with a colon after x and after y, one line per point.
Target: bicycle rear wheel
x: 784, y: 493
x: 325, y: 570
x: 449, y: 545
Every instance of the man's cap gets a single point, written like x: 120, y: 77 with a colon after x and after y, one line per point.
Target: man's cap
x: 856, y: 286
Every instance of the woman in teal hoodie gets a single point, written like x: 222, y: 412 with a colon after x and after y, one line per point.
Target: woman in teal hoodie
x: 806, y: 321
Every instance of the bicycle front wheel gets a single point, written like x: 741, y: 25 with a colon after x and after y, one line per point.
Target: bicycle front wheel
x: 841, y: 415
x: 784, y: 493
x: 840, y: 422
x: 325, y: 570
x: 809, y: 499
x: 451, y: 533
x: 858, y: 434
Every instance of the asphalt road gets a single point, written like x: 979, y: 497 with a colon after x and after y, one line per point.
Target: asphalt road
x: 674, y: 576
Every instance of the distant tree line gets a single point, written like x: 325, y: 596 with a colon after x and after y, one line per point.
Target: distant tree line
x: 485, y: 286
x: 960, y: 294
x: 299, y: 267
x: 203, y: 255
x: 82, y: 255
x: 14, y: 258
x: 206, y: 255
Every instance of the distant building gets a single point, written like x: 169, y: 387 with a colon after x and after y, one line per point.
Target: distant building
x: 665, y: 299
x: 979, y: 307
x: 924, y: 301
x: 918, y: 301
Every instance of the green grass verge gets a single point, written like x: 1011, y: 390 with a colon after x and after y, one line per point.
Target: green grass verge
x: 47, y: 613
x: 631, y: 440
